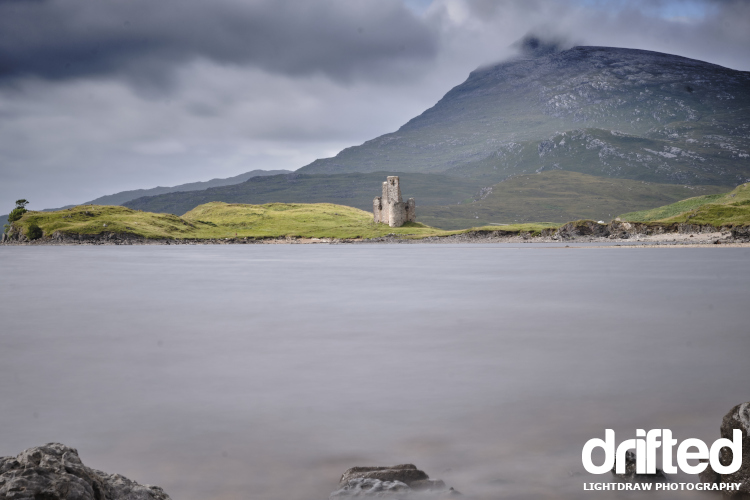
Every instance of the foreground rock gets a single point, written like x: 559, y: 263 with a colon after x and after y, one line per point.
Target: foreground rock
x: 631, y: 476
x: 55, y: 472
x: 392, y: 482
x: 737, y: 418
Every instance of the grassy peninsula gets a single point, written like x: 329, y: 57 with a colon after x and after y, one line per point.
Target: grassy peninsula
x: 218, y: 220
x: 232, y: 221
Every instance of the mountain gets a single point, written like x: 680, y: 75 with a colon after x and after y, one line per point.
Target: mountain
x: 671, y: 126
x: 602, y: 111
x: 125, y: 196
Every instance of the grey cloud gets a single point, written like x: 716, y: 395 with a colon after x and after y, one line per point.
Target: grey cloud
x: 269, y: 84
x: 145, y: 39
x: 534, y: 44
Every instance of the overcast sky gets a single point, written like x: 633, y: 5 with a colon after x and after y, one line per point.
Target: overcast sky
x: 100, y: 97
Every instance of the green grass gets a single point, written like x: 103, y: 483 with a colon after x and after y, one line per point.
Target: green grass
x: 219, y: 220
x: 533, y: 228
x: 729, y: 209
x: 670, y: 210
x: 223, y: 220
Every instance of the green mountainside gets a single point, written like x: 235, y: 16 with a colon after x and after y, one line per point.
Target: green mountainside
x: 355, y: 190
x: 603, y: 111
x: 557, y: 196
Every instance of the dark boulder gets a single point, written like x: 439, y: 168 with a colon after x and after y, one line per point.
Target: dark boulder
x: 737, y: 418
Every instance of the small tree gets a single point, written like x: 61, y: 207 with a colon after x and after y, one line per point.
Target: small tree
x: 17, y: 212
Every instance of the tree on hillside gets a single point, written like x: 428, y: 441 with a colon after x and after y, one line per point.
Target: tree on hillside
x: 17, y: 212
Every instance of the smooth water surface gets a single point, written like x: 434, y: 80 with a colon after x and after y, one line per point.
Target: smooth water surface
x: 264, y: 371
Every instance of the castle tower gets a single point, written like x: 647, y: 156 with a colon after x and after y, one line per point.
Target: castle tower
x: 389, y: 208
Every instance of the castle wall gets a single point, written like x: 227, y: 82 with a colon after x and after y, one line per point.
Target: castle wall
x: 394, y: 191
x: 396, y: 214
x: 411, y: 210
x: 377, y: 209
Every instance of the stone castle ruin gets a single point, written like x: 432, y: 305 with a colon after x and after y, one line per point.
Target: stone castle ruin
x: 390, y: 208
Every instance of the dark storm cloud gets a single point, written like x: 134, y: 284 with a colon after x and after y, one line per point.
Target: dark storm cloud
x: 535, y: 44
x: 274, y: 84
x: 145, y: 39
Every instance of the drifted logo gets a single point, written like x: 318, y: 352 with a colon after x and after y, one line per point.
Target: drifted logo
x: 689, y: 449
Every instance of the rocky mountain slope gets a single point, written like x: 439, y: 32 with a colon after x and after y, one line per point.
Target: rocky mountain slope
x: 602, y: 111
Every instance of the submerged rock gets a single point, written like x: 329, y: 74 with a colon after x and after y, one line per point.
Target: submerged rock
x: 55, y: 472
x: 631, y: 475
x: 371, y: 488
x: 393, y: 482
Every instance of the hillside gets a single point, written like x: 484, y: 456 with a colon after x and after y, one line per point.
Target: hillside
x: 557, y: 196
x: 355, y: 190
x: 602, y: 111
x: 731, y: 208
x: 218, y: 221
x: 125, y: 196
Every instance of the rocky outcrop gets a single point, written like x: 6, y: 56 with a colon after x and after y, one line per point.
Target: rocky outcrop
x: 631, y: 476
x: 579, y: 228
x: 392, y: 482
x: 741, y: 233
x: 55, y: 472
x: 737, y: 418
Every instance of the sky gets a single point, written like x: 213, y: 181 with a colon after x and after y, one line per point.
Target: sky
x: 101, y: 97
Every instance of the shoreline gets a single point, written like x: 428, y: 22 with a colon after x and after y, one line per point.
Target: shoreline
x: 698, y: 239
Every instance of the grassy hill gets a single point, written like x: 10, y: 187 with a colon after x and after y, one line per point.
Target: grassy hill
x: 557, y: 196
x: 221, y: 220
x: 732, y: 208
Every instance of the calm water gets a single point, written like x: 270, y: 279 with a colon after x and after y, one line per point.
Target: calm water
x: 264, y: 371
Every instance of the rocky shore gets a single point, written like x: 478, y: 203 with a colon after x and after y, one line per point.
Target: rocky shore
x: 584, y: 231
x: 55, y: 472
